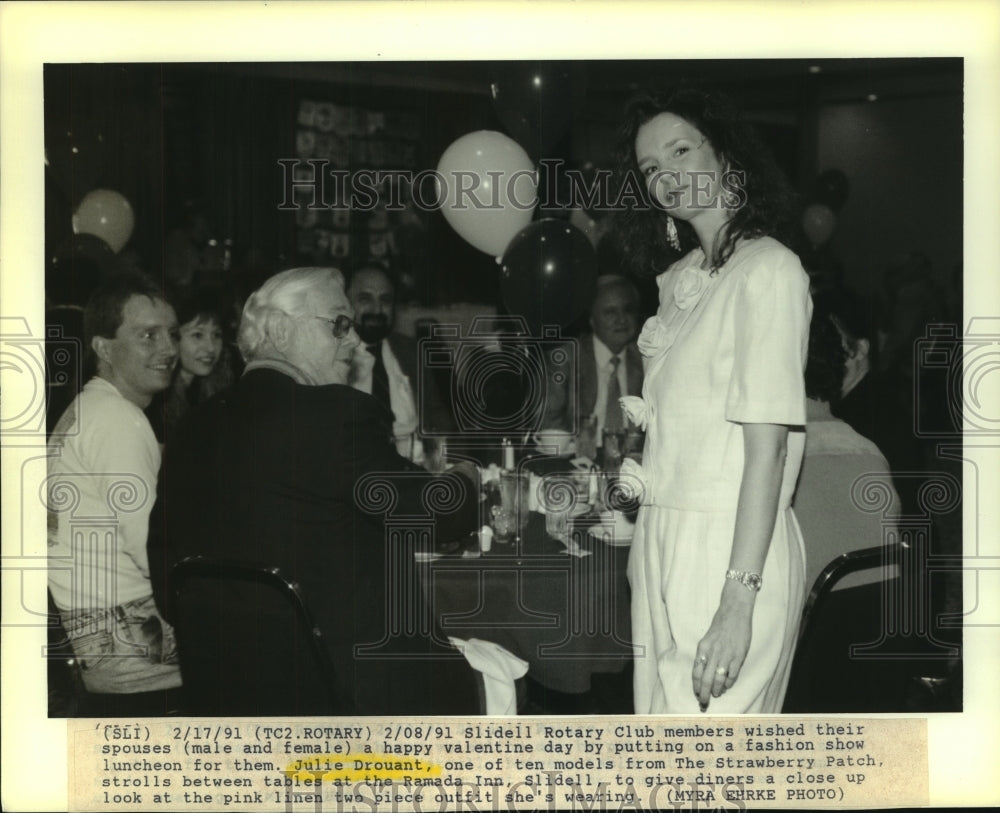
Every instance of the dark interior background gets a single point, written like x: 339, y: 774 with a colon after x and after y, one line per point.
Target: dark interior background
x: 166, y: 135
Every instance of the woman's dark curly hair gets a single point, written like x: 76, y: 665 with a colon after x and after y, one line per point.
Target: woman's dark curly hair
x: 768, y: 203
x: 827, y: 359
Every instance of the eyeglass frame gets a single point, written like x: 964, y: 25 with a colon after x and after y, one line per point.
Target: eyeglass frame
x: 341, y: 319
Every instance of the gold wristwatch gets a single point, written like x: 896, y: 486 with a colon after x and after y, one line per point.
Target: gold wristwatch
x: 751, y: 581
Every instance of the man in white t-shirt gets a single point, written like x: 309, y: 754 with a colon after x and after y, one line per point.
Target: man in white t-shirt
x: 103, y: 465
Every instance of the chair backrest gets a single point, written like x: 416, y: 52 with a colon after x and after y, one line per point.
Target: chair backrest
x: 835, y: 624
x: 247, y: 643
x: 880, y: 562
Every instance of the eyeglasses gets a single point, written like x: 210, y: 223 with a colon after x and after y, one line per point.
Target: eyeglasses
x: 341, y: 325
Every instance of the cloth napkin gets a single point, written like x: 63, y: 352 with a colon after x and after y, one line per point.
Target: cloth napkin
x: 574, y: 549
x: 633, y: 480
x: 499, y: 667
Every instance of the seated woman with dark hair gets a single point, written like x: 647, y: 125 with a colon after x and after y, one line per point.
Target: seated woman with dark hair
x: 836, y: 457
x: 204, y: 362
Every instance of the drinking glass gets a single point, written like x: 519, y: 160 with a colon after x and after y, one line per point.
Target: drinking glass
x: 435, y: 454
x: 586, y: 439
x: 586, y: 490
x: 613, y: 444
x: 512, y: 514
x: 557, y: 525
x: 632, y: 443
x: 558, y: 495
x: 405, y: 445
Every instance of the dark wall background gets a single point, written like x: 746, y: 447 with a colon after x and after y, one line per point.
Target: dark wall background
x: 164, y: 135
x: 904, y: 159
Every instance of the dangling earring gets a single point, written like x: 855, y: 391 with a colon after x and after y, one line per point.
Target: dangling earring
x: 672, y: 237
x: 730, y: 195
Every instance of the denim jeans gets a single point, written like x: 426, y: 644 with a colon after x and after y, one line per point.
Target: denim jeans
x: 124, y: 649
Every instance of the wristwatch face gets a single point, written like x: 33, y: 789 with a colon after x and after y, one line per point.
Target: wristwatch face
x: 752, y: 580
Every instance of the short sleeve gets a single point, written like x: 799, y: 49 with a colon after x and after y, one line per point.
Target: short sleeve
x: 122, y: 450
x: 771, y: 332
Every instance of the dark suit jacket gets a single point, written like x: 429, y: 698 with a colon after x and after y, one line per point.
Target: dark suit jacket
x: 266, y: 472
x: 572, y: 393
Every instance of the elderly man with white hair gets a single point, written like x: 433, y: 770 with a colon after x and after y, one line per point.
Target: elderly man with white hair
x: 267, y: 472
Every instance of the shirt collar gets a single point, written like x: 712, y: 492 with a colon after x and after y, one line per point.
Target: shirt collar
x: 281, y: 366
x: 602, y: 353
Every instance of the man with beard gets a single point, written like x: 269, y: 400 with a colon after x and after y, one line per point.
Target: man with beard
x: 390, y: 369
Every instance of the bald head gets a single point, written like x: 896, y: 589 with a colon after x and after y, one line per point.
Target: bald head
x: 614, y: 312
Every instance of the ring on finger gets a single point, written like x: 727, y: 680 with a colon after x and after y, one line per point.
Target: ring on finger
x: 702, y: 659
x: 722, y: 671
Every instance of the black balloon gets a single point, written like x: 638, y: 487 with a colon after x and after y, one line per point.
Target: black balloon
x: 548, y: 274
x: 831, y: 188
x: 76, y: 267
x: 537, y: 101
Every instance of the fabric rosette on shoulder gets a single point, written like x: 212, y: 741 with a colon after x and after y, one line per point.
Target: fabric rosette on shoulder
x: 691, y: 284
x: 653, y: 338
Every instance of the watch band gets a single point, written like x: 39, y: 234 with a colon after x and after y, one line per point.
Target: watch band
x: 751, y: 581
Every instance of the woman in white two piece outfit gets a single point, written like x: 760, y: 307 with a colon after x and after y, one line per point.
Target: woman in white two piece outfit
x: 717, y: 561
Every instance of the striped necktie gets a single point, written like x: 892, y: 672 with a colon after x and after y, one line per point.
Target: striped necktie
x: 612, y: 410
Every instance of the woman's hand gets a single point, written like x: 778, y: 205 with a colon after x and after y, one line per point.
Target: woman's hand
x: 721, y: 652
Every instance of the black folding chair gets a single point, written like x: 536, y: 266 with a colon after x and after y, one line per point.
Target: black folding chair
x: 247, y: 643
x: 859, y: 647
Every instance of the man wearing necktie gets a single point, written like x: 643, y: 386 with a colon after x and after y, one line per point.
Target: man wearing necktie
x: 380, y: 376
x: 608, y: 363
x: 612, y: 410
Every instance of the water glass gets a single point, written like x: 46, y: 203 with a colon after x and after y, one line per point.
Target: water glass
x: 557, y: 524
x: 405, y: 445
x: 512, y: 514
x: 586, y: 439
x: 586, y: 490
x: 632, y: 444
x: 558, y: 496
x: 613, y: 444
x: 435, y: 454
